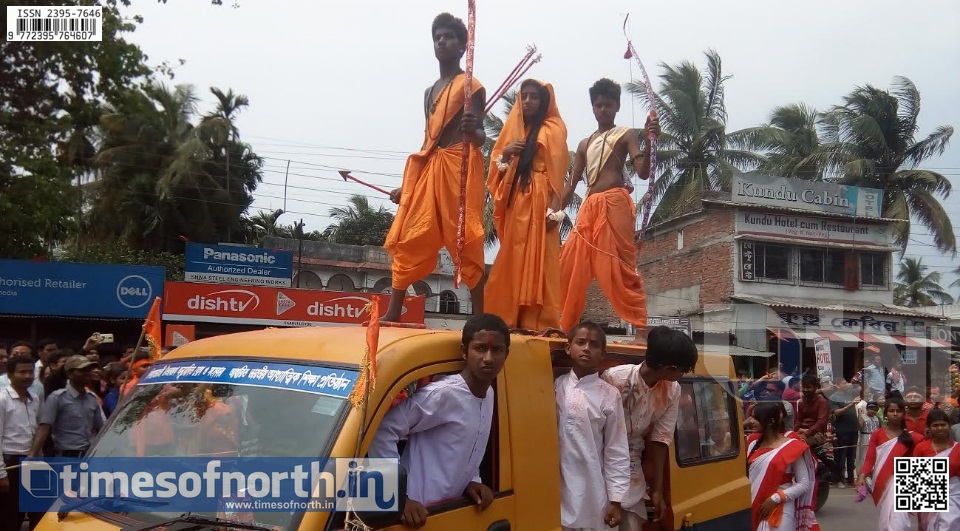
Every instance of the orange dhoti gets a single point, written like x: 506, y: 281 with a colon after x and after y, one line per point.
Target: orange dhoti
x: 524, y: 284
x: 429, y: 214
x: 601, y: 246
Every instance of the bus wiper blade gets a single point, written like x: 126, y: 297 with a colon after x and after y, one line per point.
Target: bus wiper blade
x: 202, y: 521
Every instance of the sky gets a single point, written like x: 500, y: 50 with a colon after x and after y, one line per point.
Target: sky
x: 339, y: 85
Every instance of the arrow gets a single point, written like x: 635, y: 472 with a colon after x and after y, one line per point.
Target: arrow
x: 346, y: 176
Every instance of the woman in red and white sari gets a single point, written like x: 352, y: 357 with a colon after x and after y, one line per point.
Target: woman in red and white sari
x: 781, y: 471
x: 939, y: 445
x: 887, y: 444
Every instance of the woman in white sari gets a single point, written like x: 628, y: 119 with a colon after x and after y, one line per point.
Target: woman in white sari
x: 939, y: 445
x: 781, y: 471
x: 887, y: 444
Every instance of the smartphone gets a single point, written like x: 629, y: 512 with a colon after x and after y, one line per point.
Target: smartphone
x: 106, y: 338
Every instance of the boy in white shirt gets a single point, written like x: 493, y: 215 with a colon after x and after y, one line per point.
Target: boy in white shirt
x: 447, y: 424
x: 651, y: 401
x: 594, y: 460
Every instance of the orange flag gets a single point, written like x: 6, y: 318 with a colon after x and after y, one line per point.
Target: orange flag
x: 368, y: 367
x: 373, y: 337
x: 151, y: 330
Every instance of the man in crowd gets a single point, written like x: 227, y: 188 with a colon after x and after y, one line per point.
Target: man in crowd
x: 846, y: 429
x: 72, y: 414
x: 813, y: 412
x: 874, y: 376
x: 19, y: 409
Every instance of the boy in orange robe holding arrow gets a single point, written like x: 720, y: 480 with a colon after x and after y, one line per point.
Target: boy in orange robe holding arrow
x: 601, y: 244
x: 427, y: 219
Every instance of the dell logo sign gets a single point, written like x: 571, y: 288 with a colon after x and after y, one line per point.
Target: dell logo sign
x: 134, y: 291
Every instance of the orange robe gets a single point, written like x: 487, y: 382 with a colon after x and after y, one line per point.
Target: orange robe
x: 601, y: 246
x: 428, y: 214
x: 524, y: 283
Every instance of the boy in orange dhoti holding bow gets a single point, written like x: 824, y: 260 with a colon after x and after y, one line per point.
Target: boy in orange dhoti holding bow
x: 602, y: 245
x: 429, y: 199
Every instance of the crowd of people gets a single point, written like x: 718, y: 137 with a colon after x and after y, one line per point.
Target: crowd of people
x: 53, y: 402
x: 869, y: 421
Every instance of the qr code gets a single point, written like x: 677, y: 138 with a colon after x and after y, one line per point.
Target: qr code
x: 921, y: 484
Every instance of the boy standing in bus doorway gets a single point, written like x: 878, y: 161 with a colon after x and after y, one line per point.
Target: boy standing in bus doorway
x: 651, y: 401
x: 447, y: 424
x: 594, y: 455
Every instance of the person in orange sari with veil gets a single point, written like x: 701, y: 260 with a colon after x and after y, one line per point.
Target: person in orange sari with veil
x: 428, y: 216
x: 782, y: 475
x: 602, y: 244
x: 528, y: 164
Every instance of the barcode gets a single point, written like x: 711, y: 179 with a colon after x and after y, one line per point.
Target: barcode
x: 90, y: 25
x: 54, y: 23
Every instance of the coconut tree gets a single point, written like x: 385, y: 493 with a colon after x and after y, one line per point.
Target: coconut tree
x: 789, y: 142
x: 871, y: 141
x: 695, y: 152
x: 916, y: 286
x: 166, y: 176
x: 358, y: 223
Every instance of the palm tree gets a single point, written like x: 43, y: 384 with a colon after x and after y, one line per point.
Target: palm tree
x: 695, y: 152
x: 493, y: 125
x: 870, y: 141
x: 916, y: 287
x: 166, y: 176
x: 956, y: 283
x: 790, y: 143
x: 358, y: 223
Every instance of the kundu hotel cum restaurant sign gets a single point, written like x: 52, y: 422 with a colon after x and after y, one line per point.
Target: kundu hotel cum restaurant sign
x: 257, y: 305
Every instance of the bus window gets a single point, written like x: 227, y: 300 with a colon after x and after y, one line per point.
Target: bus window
x: 706, y: 428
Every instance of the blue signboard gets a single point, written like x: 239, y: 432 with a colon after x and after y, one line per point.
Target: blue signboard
x: 310, y: 379
x: 231, y: 264
x: 78, y: 290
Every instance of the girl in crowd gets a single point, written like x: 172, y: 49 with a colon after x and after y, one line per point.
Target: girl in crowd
x: 939, y: 445
x: 886, y: 444
x: 781, y: 471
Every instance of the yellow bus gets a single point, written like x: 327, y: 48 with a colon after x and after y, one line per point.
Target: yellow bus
x: 706, y: 480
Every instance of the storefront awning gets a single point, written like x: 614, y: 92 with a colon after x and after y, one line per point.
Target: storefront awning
x: 848, y: 337
x: 734, y: 350
x: 842, y: 337
x: 923, y: 342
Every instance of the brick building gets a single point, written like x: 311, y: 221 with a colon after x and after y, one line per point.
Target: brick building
x: 779, y: 266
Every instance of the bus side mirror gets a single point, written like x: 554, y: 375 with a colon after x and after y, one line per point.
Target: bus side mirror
x: 381, y: 519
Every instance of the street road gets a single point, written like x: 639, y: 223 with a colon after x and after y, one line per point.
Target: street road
x: 841, y: 513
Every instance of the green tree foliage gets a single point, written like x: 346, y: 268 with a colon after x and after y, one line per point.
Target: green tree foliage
x: 871, y: 141
x: 917, y: 287
x: 868, y: 141
x: 51, y: 97
x: 118, y: 253
x: 695, y: 153
x: 170, y: 177
x: 358, y: 223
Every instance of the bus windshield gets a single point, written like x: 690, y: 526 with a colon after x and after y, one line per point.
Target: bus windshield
x: 227, y: 409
